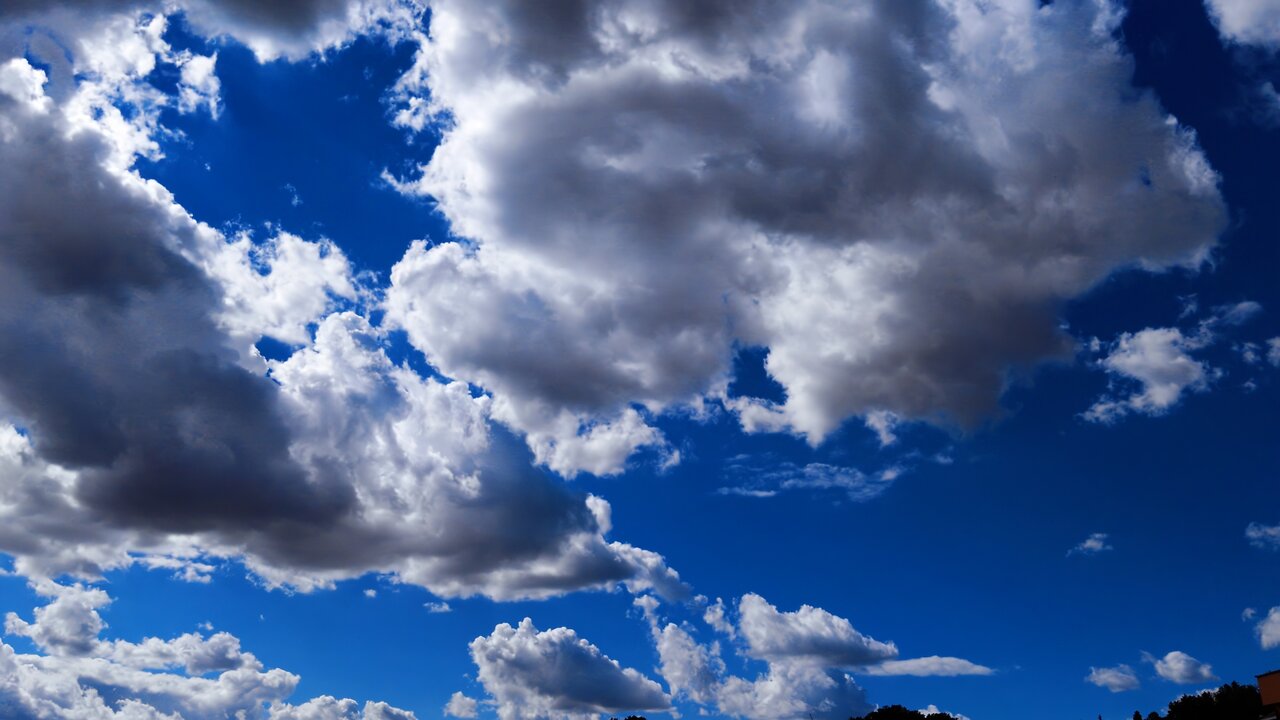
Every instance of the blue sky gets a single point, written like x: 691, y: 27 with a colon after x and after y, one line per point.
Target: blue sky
x: 636, y: 312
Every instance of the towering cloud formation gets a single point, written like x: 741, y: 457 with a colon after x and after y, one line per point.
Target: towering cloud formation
x: 136, y: 417
x: 892, y: 197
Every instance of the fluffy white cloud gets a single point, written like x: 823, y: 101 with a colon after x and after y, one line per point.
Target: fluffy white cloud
x: 892, y: 199
x: 1255, y: 22
x: 461, y: 706
x: 1263, y: 537
x: 1159, y: 361
x: 806, y: 653
x: 1092, y: 545
x: 78, y: 674
x: 1268, y: 629
x: 199, y: 87
x: 556, y: 674
x: 1181, y: 668
x: 1116, y: 679
x: 808, y: 635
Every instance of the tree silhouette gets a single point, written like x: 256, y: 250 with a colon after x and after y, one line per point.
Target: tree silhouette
x: 1229, y: 702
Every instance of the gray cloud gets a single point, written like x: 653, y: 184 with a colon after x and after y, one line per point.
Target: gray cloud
x: 894, y: 201
x: 554, y: 673
x: 136, y: 418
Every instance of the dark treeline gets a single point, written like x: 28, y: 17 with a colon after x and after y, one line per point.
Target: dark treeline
x: 1229, y: 702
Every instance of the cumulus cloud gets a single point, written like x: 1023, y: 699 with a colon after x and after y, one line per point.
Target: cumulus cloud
x: 556, y: 674
x: 1092, y: 545
x: 77, y: 673
x: 273, y: 29
x: 1268, y: 629
x: 1158, y: 361
x: 1117, y: 679
x: 809, y: 655
x: 893, y: 199
x: 1253, y: 22
x: 810, y: 635
x: 1181, y: 668
x: 138, y: 424
x: 461, y: 706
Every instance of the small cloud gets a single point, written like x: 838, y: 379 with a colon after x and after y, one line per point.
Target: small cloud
x: 437, y: 607
x: 1263, y: 537
x: 460, y: 706
x: 882, y: 423
x: 1247, y: 614
x: 1181, y: 668
x: 1269, y: 630
x: 1092, y: 545
x: 370, y: 593
x: 294, y: 198
x: 1116, y: 679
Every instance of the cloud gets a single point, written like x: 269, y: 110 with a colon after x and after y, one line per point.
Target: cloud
x: 1252, y: 22
x: 1263, y: 537
x: 643, y: 189
x: 78, y: 673
x: 461, y: 706
x: 556, y: 674
x: 1117, y: 679
x: 1181, y: 668
x: 139, y: 425
x: 273, y: 29
x: 932, y: 666
x: 767, y: 476
x: 1092, y: 545
x: 438, y: 607
x: 1268, y: 629
x: 1159, y: 361
x: 809, y: 635
x: 806, y: 655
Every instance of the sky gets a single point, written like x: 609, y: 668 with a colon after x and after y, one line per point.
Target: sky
x: 386, y: 359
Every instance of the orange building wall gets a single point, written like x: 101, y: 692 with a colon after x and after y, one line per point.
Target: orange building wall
x: 1269, y: 686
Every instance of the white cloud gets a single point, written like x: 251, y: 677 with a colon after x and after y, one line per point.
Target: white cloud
x: 78, y: 674
x: 461, y: 706
x: 808, y: 635
x: 932, y: 666
x: 1181, y: 668
x: 200, y: 87
x: 1159, y: 361
x: 1263, y: 537
x: 1268, y: 629
x: 1254, y: 22
x: 891, y: 202
x: 806, y: 653
x: 436, y: 608
x: 1092, y: 545
x: 556, y: 674
x: 1117, y: 679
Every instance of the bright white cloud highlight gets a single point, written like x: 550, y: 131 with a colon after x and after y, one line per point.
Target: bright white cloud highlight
x: 1181, y: 668
x: 1159, y: 362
